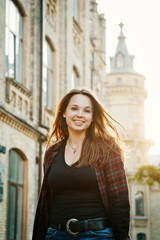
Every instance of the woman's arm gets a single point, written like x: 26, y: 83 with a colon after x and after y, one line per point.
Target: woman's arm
x: 117, y: 192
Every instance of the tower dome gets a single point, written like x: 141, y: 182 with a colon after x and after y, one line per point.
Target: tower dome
x: 124, y: 95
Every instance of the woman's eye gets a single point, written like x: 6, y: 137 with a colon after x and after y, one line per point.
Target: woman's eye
x: 74, y: 108
x: 87, y: 110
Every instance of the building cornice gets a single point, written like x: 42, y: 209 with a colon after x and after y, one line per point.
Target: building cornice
x: 126, y: 73
x: 110, y: 90
x: 20, y: 124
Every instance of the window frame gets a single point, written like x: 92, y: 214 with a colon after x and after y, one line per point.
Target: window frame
x: 75, y: 10
x: 16, y: 185
x: 139, y: 204
x: 120, y: 60
x: 48, y: 95
x: 141, y: 236
x: 17, y: 74
x: 119, y: 82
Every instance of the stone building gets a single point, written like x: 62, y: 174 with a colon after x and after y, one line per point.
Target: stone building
x: 123, y: 94
x: 46, y: 48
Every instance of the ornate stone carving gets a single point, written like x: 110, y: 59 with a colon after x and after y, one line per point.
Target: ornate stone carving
x: 23, y: 89
x: 140, y: 93
x: 51, y: 13
x: 19, y: 99
x: 141, y: 222
x: 19, y: 125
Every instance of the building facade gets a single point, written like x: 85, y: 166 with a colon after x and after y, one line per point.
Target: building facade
x: 47, y: 47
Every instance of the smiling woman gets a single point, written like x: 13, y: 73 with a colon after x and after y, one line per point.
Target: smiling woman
x: 84, y: 191
x: 78, y: 113
x: 78, y: 116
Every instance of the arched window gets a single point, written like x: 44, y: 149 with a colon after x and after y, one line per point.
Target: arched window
x: 75, y: 78
x: 135, y: 82
x: 15, y: 196
x: 120, y: 60
x: 75, y: 10
x: 141, y: 236
x: 139, y: 202
x: 119, y: 81
x: 14, y: 41
x: 48, y: 76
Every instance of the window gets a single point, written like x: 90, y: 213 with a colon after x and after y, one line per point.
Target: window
x: 141, y: 236
x: 15, y: 200
x: 75, y: 78
x: 135, y: 82
x: 119, y: 81
x: 48, y: 76
x: 14, y: 42
x: 94, y: 59
x: 120, y: 60
x: 139, y: 201
x: 75, y: 10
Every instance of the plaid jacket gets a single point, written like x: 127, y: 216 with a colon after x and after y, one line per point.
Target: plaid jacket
x: 113, y: 188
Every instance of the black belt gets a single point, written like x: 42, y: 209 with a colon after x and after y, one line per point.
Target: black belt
x: 74, y: 226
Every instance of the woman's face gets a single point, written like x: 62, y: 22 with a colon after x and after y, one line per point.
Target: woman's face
x: 79, y: 113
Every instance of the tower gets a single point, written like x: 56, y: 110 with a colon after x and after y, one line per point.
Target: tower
x: 124, y: 95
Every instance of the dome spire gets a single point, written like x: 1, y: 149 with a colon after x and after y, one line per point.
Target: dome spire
x: 122, y: 61
x: 121, y: 26
x: 121, y: 35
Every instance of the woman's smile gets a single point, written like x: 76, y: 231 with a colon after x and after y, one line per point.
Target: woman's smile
x: 78, y: 122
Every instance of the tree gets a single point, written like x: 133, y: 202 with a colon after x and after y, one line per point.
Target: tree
x: 148, y: 174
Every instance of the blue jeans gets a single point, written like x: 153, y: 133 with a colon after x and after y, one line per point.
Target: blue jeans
x: 106, y: 234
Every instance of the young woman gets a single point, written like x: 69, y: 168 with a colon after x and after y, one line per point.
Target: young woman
x: 84, y: 193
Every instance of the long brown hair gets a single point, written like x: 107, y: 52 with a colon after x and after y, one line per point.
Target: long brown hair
x: 98, y: 140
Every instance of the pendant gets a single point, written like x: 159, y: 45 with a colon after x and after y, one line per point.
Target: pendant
x: 74, y: 151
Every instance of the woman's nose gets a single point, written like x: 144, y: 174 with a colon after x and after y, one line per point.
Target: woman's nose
x: 80, y: 113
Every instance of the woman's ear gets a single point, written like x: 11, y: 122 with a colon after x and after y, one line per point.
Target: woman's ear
x: 64, y: 115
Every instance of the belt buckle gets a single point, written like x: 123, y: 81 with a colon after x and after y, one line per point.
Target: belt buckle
x: 67, y: 226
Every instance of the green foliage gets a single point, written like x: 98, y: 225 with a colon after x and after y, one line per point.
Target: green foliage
x: 148, y: 174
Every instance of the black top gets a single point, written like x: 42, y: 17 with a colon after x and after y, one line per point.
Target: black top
x: 76, y: 190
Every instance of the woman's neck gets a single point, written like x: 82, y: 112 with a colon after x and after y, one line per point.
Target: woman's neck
x: 76, y: 139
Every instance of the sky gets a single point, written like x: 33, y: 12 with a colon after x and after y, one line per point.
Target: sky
x: 141, y: 28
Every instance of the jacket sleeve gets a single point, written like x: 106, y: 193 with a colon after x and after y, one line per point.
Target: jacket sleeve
x: 43, y: 206
x: 117, y: 192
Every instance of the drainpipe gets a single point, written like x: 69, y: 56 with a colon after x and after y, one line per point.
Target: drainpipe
x: 40, y: 164
x: 41, y: 138
x: 42, y: 22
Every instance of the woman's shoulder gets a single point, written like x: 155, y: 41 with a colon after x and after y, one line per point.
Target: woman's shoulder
x: 50, y: 153
x: 54, y: 147
x: 52, y: 150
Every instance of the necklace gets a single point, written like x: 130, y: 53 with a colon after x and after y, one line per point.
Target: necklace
x: 74, y: 149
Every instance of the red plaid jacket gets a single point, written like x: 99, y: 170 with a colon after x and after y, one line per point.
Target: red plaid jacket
x: 113, y: 188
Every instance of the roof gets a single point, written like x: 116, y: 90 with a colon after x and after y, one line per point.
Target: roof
x: 122, y: 61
